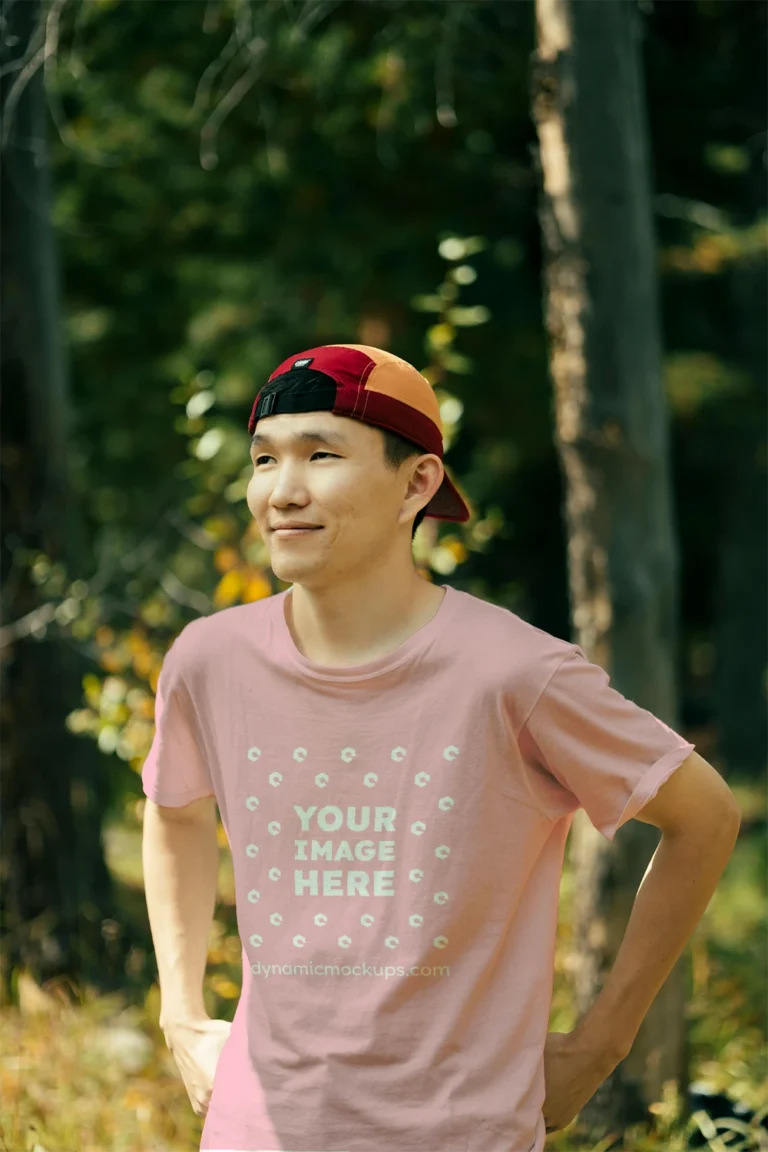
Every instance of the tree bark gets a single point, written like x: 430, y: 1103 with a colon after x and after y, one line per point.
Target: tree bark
x: 611, y: 429
x: 55, y: 889
x: 741, y: 600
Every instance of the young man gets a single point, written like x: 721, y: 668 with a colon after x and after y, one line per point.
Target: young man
x: 396, y: 766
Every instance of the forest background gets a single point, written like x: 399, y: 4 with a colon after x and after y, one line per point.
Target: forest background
x: 192, y: 191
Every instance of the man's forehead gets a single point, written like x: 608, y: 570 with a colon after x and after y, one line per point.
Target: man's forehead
x: 292, y: 429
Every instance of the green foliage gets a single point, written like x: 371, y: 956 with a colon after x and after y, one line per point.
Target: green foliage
x: 106, y: 1103
x: 238, y: 181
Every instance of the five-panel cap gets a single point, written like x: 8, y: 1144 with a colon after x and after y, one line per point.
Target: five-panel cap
x: 370, y: 385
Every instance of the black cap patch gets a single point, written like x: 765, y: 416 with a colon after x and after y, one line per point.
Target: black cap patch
x: 305, y: 360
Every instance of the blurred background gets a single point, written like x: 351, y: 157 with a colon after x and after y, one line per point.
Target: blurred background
x: 557, y: 212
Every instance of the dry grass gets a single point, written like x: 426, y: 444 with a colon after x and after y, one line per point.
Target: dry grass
x: 86, y: 1073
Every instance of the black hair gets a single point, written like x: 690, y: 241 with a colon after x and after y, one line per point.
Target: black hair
x: 310, y: 390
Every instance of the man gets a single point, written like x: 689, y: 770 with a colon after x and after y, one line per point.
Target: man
x: 397, y: 766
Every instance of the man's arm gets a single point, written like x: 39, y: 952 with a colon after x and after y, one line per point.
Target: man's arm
x: 699, y: 818
x: 181, y: 865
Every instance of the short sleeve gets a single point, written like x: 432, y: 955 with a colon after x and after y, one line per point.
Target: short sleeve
x: 597, y: 749
x: 175, y: 771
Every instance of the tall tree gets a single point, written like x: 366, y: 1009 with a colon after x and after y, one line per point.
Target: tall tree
x: 612, y: 439
x: 56, y: 892
x: 741, y: 623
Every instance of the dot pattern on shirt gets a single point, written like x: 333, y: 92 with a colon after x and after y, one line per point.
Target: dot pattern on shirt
x: 419, y: 828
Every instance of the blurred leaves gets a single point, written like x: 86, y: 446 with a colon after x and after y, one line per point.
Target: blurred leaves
x: 693, y: 379
x: 97, y: 1038
x: 238, y: 180
x: 283, y: 174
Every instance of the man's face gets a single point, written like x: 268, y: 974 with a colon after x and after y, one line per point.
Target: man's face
x: 338, y: 481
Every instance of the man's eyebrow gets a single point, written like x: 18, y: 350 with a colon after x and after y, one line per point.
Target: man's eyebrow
x: 335, y: 439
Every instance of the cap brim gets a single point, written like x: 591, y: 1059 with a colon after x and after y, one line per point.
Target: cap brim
x: 449, y: 503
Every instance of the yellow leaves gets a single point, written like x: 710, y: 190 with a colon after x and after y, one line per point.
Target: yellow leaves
x: 156, y: 612
x: 219, y: 527
x: 143, y: 655
x: 120, y: 714
x: 692, y: 379
x: 448, y: 554
x: 240, y: 582
x: 216, y: 955
x: 112, y: 661
x: 133, y: 650
x: 708, y: 254
x: 440, y: 336
x: 711, y: 252
x: 92, y: 689
x: 143, y: 664
x: 114, y: 689
x: 226, y: 558
x: 82, y: 720
x: 108, y: 738
x: 456, y: 547
x: 134, y: 1099
x: 225, y: 987
x: 142, y: 705
x: 228, y: 588
x: 256, y: 588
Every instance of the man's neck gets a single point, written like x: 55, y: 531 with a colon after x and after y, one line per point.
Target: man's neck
x: 337, y: 630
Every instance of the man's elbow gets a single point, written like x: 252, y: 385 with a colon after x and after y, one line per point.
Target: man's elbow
x: 695, y: 798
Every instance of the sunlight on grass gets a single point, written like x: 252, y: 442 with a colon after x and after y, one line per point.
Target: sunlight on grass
x: 91, y: 1076
x: 87, y: 1073
x: 738, y: 903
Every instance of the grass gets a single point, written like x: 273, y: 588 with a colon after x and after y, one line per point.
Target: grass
x: 80, y: 1072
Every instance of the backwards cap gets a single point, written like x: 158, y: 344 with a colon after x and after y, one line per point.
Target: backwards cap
x: 370, y: 385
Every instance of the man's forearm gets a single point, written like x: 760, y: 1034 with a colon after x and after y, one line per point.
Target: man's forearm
x: 181, y: 865
x: 673, y: 896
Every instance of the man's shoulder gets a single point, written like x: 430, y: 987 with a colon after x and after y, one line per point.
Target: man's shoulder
x: 204, y: 635
x: 487, y: 622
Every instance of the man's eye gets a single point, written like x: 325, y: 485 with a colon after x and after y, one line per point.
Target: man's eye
x: 331, y: 454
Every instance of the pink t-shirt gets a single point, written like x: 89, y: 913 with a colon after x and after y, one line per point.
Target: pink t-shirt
x: 397, y: 832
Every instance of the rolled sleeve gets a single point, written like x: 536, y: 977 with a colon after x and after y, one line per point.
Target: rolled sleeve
x: 599, y: 750
x: 175, y: 771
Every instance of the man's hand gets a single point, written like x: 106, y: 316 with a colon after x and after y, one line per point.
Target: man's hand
x: 196, y: 1045
x: 572, y: 1072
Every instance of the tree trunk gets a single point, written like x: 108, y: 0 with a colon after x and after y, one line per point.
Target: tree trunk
x: 55, y: 888
x: 741, y: 602
x: 613, y: 445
